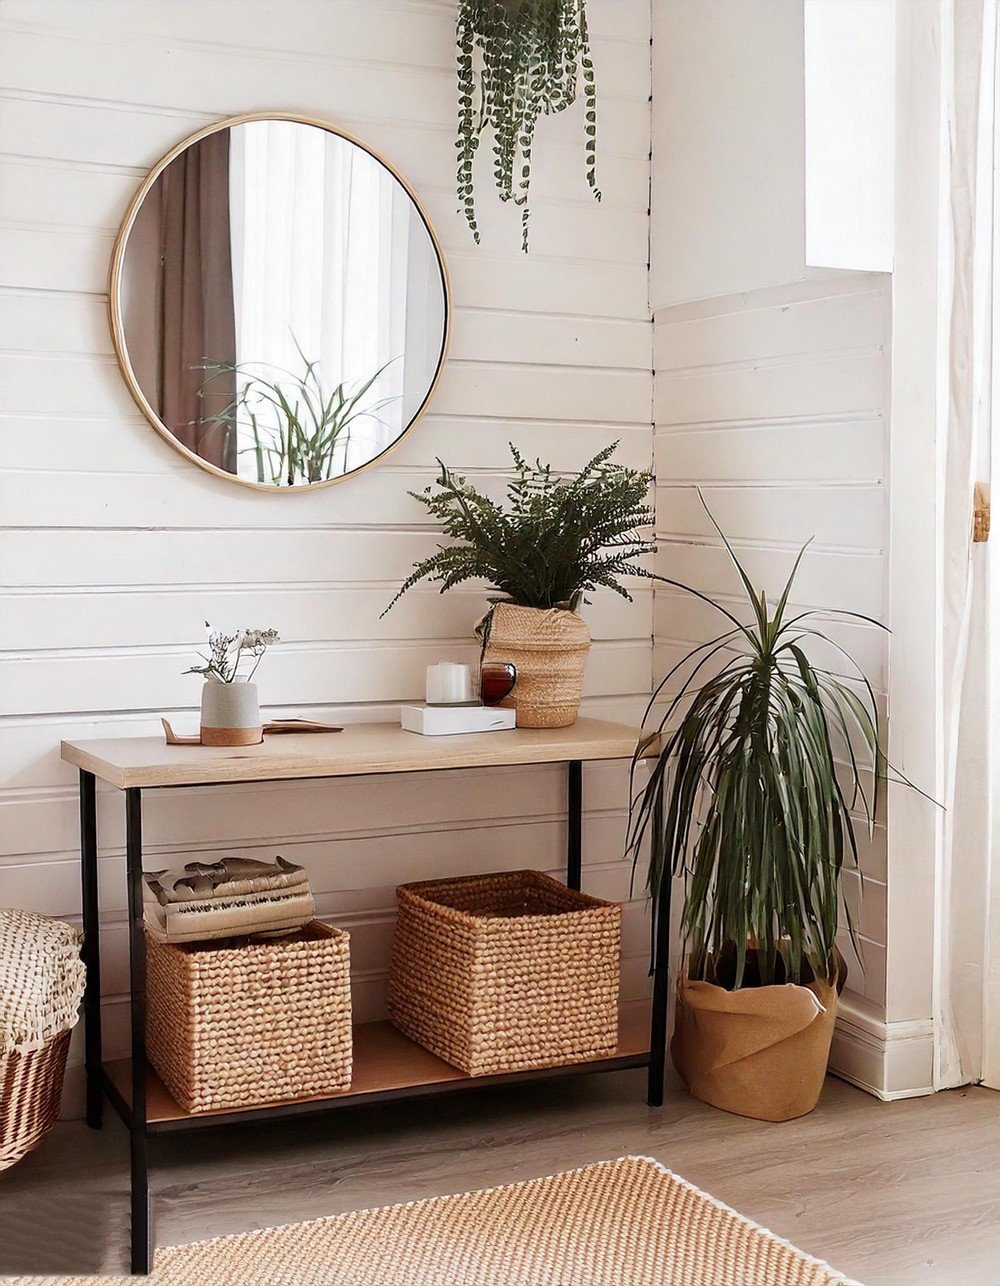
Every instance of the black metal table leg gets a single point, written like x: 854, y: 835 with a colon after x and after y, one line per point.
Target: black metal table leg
x: 574, y: 825
x: 91, y: 947
x: 661, y: 998
x: 142, y: 1249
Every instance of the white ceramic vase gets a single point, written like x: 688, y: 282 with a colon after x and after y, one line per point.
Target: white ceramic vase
x: 230, y: 714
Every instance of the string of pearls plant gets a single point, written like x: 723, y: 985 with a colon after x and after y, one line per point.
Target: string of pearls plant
x: 518, y: 59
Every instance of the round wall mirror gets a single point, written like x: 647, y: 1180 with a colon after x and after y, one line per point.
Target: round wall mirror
x: 279, y: 302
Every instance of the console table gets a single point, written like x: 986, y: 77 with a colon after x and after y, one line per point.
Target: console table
x: 386, y: 1064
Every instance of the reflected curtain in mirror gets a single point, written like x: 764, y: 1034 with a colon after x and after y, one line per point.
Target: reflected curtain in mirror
x: 188, y: 301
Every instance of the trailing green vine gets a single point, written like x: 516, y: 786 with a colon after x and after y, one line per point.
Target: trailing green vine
x: 532, y: 56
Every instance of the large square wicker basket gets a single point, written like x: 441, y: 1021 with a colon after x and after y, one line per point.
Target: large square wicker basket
x: 240, y: 1022
x: 502, y: 973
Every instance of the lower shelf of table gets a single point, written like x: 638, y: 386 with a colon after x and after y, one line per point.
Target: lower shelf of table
x: 386, y: 1066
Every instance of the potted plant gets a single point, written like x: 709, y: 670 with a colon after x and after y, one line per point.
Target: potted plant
x: 230, y: 709
x: 761, y: 769
x: 533, y: 58
x: 556, y: 539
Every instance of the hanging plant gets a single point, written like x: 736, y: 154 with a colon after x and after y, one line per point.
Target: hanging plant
x: 532, y: 53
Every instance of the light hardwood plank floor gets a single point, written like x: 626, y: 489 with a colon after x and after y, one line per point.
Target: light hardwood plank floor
x: 890, y: 1193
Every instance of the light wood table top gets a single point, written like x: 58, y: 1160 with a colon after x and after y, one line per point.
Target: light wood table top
x: 360, y: 748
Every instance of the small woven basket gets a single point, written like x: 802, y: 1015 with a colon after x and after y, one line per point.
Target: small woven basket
x: 237, y: 1023
x: 502, y: 973
x: 549, y: 649
x: 41, y: 985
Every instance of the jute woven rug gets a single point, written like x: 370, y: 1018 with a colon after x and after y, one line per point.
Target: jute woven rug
x: 628, y: 1222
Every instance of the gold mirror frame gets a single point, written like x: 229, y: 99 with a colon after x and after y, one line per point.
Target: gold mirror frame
x: 117, y: 321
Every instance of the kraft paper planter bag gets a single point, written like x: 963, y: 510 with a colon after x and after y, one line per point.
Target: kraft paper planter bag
x: 759, y: 1051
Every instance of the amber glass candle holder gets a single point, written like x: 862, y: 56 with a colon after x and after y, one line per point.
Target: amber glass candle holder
x: 496, y: 681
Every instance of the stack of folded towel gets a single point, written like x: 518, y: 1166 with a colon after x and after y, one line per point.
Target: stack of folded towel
x: 232, y: 898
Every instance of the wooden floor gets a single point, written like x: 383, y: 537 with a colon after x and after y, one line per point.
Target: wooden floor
x: 894, y: 1194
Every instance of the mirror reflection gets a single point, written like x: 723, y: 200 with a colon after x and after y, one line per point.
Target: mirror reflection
x: 282, y: 303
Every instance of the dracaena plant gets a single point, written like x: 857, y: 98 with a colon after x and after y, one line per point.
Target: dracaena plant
x: 518, y: 59
x: 557, y: 538
x: 766, y: 762
x: 296, y: 428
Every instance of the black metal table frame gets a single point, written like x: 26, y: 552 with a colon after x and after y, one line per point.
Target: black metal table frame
x: 133, y: 1114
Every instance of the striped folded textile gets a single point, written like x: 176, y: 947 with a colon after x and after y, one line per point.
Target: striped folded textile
x: 236, y: 897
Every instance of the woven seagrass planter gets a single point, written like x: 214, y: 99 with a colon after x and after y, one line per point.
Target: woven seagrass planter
x: 502, y: 973
x: 240, y: 1022
x: 549, y: 649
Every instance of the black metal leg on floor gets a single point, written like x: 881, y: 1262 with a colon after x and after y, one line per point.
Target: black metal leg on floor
x: 91, y: 947
x: 142, y: 1249
x: 661, y: 997
x: 574, y: 825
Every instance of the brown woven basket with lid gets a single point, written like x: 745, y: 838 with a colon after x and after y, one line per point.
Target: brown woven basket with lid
x: 549, y: 650
x: 240, y: 1022
x: 502, y: 973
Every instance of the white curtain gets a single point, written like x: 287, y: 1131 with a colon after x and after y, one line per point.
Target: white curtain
x: 969, y: 48
x: 325, y: 244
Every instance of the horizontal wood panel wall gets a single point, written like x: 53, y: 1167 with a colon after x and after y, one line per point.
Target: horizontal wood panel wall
x: 774, y: 404
x: 115, y: 550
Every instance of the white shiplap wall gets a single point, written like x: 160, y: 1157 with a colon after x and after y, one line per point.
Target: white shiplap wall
x: 774, y: 403
x: 115, y: 550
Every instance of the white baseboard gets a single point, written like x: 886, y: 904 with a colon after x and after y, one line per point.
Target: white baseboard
x: 891, y: 1060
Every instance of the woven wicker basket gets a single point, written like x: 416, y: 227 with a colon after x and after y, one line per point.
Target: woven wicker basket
x: 237, y: 1023
x: 549, y: 649
x: 41, y: 985
x: 30, y: 1090
x: 501, y: 973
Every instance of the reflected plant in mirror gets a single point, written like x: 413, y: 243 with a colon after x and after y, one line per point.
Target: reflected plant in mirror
x: 294, y: 431
x: 279, y: 302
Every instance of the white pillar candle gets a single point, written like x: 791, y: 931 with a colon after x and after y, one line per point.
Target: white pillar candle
x: 449, y: 684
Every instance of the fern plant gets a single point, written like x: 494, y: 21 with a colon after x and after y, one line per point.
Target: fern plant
x: 556, y: 539
x: 746, y: 798
x: 532, y: 56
